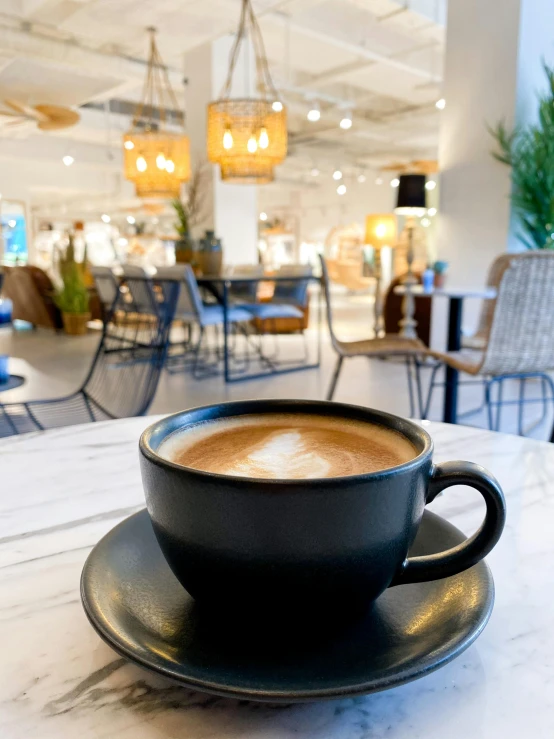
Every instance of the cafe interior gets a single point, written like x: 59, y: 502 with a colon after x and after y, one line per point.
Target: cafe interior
x: 345, y: 203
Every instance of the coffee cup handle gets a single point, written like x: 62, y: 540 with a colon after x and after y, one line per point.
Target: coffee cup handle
x: 472, y: 550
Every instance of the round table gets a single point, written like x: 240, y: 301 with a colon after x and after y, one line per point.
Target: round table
x: 64, y: 489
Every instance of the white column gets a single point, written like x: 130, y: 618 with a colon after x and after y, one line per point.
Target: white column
x: 493, y: 70
x: 231, y: 210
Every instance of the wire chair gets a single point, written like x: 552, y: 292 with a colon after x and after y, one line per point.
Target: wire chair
x: 122, y: 379
x: 107, y: 287
x: 520, y: 338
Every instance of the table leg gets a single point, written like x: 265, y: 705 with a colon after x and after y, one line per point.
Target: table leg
x: 226, y: 331
x: 450, y: 409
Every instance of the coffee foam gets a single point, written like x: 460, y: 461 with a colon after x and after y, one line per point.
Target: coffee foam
x: 287, y: 446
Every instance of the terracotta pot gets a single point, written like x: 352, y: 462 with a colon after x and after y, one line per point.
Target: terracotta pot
x: 75, y: 324
x: 440, y: 280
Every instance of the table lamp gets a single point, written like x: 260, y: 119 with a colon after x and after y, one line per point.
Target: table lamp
x: 411, y: 203
x: 380, y: 231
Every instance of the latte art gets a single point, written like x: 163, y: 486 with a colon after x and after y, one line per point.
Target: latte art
x: 287, y: 446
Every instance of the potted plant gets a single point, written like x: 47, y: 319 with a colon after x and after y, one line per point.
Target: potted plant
x: 72, y: 298
x: 189, y: 214
x: 440, y: 268
x: 529, y: 151
x: 184, y: 246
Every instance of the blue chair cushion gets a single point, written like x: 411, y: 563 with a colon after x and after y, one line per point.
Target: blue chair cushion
x: 213, y: 314
x: 273, y: 310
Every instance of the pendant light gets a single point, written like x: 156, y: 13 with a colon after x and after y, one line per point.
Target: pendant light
x: 247, y: 137
x: 156, y: 158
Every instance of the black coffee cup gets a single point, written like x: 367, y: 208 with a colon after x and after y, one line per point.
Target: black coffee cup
x: 305, y: 544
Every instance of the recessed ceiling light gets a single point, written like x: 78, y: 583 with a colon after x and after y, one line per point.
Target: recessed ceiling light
x: 341, y: 189
x: 337, y: 174
x: 263, y: 216
x: 68, y: 160
x: 106, y: 218
x: 440, y: 104
x: 131, y: 220
x: 395, y: 182
x: 430, y: 185
x: 315, y: 172
x: 432, y: 212
x: 314, y: 114
x: 346, y: 121
x: 362, y: 178
x: 379, y: 181
x: 277, y: 106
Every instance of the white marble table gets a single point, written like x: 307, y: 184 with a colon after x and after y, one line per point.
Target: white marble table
x: 64, y: 489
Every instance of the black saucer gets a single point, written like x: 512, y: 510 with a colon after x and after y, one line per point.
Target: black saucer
x: 137, y: 606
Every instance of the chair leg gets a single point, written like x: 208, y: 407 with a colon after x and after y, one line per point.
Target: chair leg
x: 488, y: 403
x: 417, y: 369
x: 410, y: 386
x: 196, y: 352
x: 432, y: 386
x: 334, y: 380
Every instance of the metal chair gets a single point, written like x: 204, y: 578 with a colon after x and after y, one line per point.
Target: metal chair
x: 244, y: 292
x: 519, y: 340
x: 107, y: 287
x: 478, y: 340
x: 391, y: 345
x: 191, y: 310
x: 141, y: 297
x: 122, y: 379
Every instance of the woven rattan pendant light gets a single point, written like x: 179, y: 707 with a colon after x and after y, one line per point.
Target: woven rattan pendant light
x: 247, y: 137
x: 157, y: 159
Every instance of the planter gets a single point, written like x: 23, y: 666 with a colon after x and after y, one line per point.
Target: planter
x: 75, y: 324
x: 440, y: 280
x: 184, y: 251
x: 210, y: 256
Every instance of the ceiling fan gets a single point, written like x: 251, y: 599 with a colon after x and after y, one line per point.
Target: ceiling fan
x: 47, y: 117
x: 417, y: 166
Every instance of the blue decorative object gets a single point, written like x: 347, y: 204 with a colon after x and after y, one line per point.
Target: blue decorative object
x: 428, y: 279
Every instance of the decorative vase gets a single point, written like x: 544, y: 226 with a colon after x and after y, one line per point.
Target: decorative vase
x: 75, y: 324
x: 184, y: 250
x: 210, y: 256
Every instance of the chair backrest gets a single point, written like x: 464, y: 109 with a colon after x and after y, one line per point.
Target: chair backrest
x: 141, y: 292
x: 294, y: 292
x: 124, y: 374
x: 327, y: 292
x: 494, y: 277
x: 247, y: 291
x: 106, y: 285
x: 189, y: 303
x: 521, y: 337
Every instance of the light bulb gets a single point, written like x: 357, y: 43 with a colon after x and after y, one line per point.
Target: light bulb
x: 129, y: 145
x: 141, y: 164
x: 169, y: 166
x: 430, y: 185
x: 380, y: 230
x: 440, y: 104
x: 337, y: 174
x: 106, y: 218
x: 432, y: 212
x: 227, y: 139
x: 130, y: 220
x: 263, y: 216
x: 361, y: 178
x: 277, y: 106
x: 160, y: 161
x: 395, y: 182
x: 68, y: 160
x: 314, y: 114
x: 346, y: 122
x: 315, y: 172
x: 263, y: 141
x: 252, y: 145
x: 341, y: 189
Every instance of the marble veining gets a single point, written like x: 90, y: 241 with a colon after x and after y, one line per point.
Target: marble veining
x: 63, y: 490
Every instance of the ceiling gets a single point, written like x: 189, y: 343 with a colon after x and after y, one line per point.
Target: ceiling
x: 381, y: 59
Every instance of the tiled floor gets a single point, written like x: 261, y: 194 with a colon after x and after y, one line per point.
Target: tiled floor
x: 60, y: 363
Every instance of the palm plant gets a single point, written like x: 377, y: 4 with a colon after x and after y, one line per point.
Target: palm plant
x: 529, y: 151
x: 73, y: 297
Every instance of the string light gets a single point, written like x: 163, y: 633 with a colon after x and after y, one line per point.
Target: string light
x: 337, y: 174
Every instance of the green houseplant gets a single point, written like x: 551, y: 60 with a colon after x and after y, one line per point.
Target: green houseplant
x: 184, y: 246
x: 72, y: 298
x: 189, y: 214
x: 529, y: 151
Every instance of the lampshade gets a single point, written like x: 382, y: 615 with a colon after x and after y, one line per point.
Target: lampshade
x: 411, y: 195
x: 380, y: 230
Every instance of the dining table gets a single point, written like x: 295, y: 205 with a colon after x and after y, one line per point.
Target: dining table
x: 64, y: 489
x: 456, y: 296
x: 220, y: 286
